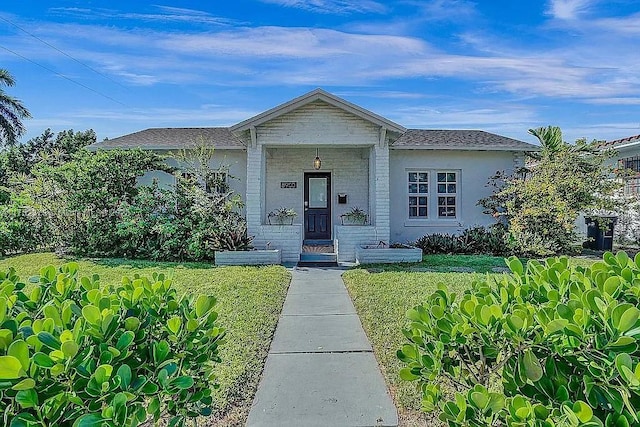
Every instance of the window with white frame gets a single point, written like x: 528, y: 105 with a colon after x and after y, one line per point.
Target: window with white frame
x: 418, y: 194
x: 447, y: 190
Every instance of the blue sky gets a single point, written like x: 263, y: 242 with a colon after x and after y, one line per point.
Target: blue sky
x: 503, y: 66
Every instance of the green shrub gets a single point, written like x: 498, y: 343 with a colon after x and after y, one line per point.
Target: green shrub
x: 19, y: 231
x: 547, y: 346
x: 73, y: 352
x: 474, y: 240
x: 540, y: 202
x: 188, y: 224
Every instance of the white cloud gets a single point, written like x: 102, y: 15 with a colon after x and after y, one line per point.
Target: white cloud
x: 333, y: 6
x: 587, y: 68
x: 482, y: 117
x: 615, y: 101
x: 165, y: 14
x: 568, y: 9
x: 120, y: 121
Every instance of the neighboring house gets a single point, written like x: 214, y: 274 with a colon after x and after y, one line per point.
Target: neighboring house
x: 628, y: 157
x: 411, y: 182
x: 627, y: 229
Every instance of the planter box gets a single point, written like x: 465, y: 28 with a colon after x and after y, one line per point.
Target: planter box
x: 258, y: 257
x: 371, y: 254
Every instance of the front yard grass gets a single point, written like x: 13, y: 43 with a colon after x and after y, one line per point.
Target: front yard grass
x: 383, y: 294
x: 250, y: 300
x: 381, y: 300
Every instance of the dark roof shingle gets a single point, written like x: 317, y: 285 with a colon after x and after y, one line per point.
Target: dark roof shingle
x: 459, y: 140
x: 171, y: 139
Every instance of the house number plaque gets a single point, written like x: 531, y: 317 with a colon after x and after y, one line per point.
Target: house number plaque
x: 288, y: 184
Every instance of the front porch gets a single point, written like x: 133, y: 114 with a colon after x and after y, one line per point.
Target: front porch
x: 353, y: 146
x: 348, y: 177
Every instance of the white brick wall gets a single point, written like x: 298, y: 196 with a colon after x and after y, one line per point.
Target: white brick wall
x: 287, y: 238
x: 349, y: 169
x: 347, y: 238
x: 382, y: 218
x: 261, y: 257
x: 318, y: 123
x: 254, y: 205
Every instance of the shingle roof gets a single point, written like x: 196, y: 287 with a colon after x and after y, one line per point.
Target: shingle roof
x: 171, y: 138
x: 617, y: 142
x: 459, y: 140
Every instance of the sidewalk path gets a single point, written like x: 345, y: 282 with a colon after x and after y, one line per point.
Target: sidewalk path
x: 320, y: 370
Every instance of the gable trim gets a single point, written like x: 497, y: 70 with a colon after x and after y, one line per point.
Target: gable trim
x: 317, y: 95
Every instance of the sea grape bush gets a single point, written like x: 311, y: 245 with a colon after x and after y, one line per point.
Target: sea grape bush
x: 549, y: 345
x: 76, y: 353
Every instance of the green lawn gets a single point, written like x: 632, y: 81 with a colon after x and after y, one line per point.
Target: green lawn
x: 382, y: 295
x: 249, y: 303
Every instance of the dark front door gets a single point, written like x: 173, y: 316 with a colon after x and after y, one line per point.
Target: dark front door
x: 317, y: 206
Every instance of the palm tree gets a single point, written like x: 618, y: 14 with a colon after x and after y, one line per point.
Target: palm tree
x: 551, y: 143
x: 550, y: 138
x: 12, y: 112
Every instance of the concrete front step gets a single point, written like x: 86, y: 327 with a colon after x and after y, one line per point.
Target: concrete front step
x: 318, y: 257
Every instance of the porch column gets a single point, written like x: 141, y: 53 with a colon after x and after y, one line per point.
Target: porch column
x: 255, y: 184
x: 380, y: 179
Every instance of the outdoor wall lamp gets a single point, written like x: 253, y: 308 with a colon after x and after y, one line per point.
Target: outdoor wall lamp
x: 317, y: 163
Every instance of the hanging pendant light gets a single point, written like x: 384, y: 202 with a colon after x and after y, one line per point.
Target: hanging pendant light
x: 317, y: 163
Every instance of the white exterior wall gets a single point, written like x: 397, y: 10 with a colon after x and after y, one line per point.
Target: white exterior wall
x: 474, y: 170
x: 349, y: 169
x: 236, y: 160
x: 317, y: 123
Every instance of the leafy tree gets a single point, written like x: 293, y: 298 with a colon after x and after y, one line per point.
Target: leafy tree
x: 541, y: 202
x: 192, y: 222
x: 12, y: 112
x: 79, y: 199
x: 48, y: 148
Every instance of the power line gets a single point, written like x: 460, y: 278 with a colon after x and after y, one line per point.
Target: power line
x: 61, y: 51
x: 62, y: 75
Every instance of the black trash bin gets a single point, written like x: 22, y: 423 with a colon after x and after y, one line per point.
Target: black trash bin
x: 600, y: 232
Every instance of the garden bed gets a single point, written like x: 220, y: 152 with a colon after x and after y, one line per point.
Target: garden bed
x: 255, y: 257
x: 376, y: 254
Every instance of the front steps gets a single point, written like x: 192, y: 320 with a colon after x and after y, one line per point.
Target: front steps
x: 318, y: 253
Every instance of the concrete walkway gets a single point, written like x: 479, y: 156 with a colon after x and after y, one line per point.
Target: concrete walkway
x: 321, y: 370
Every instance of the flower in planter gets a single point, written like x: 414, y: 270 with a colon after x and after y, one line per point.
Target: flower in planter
x: 355, y: 216
x: 282, y: 215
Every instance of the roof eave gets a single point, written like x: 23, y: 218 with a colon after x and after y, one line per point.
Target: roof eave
x: 627, y: 145
x: 464, y: 148
x: 98, y: 146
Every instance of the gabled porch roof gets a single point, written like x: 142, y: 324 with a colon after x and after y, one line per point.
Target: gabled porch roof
x: 318, y: 95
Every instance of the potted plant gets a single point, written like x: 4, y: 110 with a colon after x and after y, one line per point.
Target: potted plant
x: 355, y: 216
x: 282, y: 216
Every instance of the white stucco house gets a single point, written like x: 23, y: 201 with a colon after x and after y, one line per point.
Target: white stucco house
x: 410, y: 182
